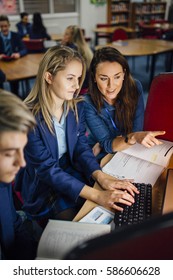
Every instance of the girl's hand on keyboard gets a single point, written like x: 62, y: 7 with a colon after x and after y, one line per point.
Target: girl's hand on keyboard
x: 108, y: 182
x: 114, y: 199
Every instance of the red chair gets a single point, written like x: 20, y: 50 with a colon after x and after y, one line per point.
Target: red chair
x: 159, y: 107
x: 119, y: 34
x: 149, y: 32
x: 153, y: 21
x: 34, y: 45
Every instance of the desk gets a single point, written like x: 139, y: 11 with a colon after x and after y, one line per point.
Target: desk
x: 23, y: 68
x: 162, y: 26
x: 143, y: 47
x: 157, y: 193
x: 110, y: 30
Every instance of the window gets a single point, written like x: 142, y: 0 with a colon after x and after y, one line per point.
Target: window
x: 46, y: 6
x: 64, y: 6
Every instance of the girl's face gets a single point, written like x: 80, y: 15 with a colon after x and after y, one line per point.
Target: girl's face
x: 109, y: 78
x: 67, y: 36
x: 64, y: 85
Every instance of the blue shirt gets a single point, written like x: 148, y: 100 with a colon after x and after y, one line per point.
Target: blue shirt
x: 60, y: 128
x: 101, y: 126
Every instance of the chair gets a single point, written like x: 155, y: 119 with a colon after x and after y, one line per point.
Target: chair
x: 119, y: 34
x: 102, y: 35
x: 159, y: 107
x: 34, y: 45
x: 149, y: 32
x: 149, y: 240
x: 155, y: 21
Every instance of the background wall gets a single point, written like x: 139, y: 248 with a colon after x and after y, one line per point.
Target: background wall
x: 87, y: 16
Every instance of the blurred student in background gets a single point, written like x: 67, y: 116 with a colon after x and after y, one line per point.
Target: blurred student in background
x: 38, y: 30
x: 16, y: 236
x: 11, y: 46
x: 114, y: 107
x: 74, y: 38
x: 23, y: 26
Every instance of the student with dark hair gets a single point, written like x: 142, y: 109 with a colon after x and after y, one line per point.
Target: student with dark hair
x: 23, y: 26
x: 16, y: 236
x: 11, y: 46
x: 38, y: 30
x: 114, y: 107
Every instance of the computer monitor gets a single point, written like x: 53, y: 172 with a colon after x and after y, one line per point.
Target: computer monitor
x: 150, y: 240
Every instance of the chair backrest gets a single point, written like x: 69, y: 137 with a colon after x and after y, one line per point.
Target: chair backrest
x: 159, y: 107
x: 119, y: 34
x: 153, y: 21
x: 149, y: 240
x: 34, y: 45
x: 149, y: 32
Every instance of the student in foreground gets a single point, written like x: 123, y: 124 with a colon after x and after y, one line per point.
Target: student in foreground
x: 16, y: 239
x: 114, y: 107
x: 60, y: 164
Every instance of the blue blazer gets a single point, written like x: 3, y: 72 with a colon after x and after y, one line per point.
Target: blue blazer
x: 21, y: 30
x: 2, y: 77
x: 15, y: 240
x: 16, y: 43
x: 43, y: 174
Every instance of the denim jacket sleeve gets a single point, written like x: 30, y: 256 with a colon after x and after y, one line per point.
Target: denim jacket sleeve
x: 98, y: 126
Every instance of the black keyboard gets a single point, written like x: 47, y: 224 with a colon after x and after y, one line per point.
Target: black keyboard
x: 138, y: 211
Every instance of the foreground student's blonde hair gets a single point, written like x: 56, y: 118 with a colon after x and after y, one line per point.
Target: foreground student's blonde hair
x: 39, y: 99
x: 14, y: 114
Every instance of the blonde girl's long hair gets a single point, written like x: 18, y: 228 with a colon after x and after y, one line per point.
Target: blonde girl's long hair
x: 39, y: 99
x: 79, y: 40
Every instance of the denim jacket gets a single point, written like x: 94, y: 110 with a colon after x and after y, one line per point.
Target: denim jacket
x: 100, y: 125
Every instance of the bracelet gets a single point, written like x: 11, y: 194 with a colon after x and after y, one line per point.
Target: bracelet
x: 127, y: 139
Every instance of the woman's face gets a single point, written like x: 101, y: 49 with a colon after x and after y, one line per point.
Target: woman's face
x: 109, y: 78
x: 63, y: 86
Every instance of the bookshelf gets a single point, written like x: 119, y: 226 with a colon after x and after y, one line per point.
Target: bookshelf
x: 146, y: 11
x: 118, y: 12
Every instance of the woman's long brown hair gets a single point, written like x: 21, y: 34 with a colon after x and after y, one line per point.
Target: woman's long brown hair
x: 127, y: 98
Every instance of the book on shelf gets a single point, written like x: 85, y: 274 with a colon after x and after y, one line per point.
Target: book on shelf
x: 59, y: 237
x: 142, y: 164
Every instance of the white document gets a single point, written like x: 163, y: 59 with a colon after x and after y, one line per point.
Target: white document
x: 142, y: 164
x: 59, y: 237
